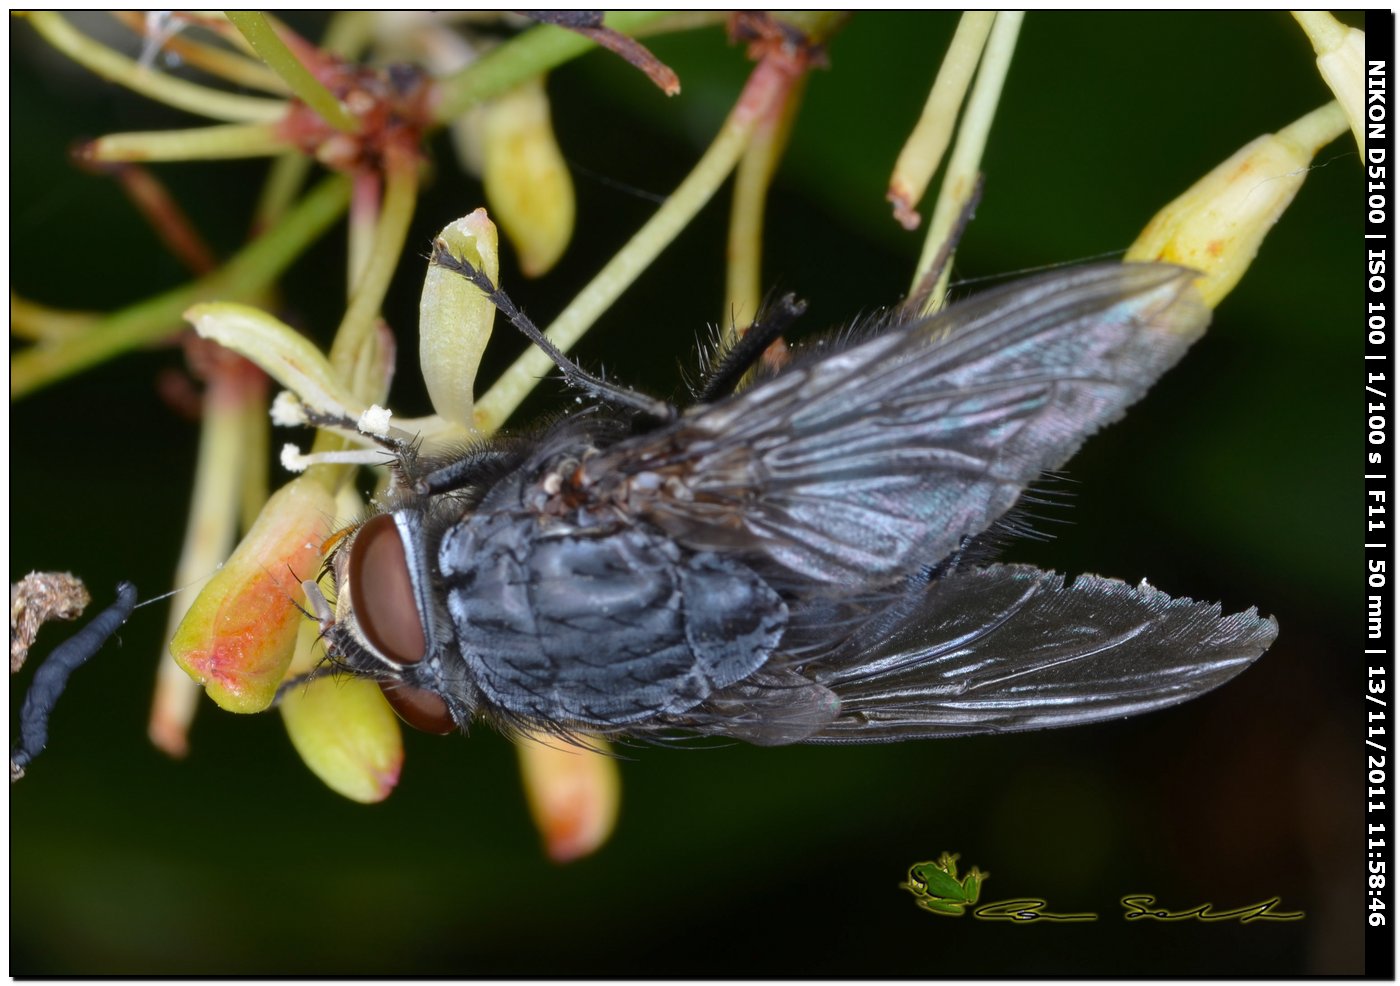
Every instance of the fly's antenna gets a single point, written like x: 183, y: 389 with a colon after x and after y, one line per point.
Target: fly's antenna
x: 574, y: 375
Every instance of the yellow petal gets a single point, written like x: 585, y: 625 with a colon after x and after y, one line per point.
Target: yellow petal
x: 282, y: 352
x: 527, y: 182
x: 1217, y: 225
x: 454, y: 318
x: 573, y: 795
x: 238, y: 637
x: 346, y: 733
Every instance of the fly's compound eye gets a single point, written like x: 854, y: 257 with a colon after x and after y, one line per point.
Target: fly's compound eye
x: 419, y: 707
x: 381, y: 592
x: 386, y: 611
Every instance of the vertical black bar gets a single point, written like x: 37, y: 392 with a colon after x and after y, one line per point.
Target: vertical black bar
x: 1378, y: 714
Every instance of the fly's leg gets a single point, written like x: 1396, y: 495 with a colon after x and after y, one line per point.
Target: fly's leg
x: 741, y: 357
x: 574, y: 374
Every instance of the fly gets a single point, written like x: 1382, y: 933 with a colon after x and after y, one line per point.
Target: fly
x: 808, y: 559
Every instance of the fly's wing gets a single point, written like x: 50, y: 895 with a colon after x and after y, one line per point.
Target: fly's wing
x: 863, y: 465
x: 1010, y: 647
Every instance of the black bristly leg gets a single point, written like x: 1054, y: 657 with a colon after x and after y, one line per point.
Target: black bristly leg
x: 402, y: 452
x: 747, y: 350
x: 574, y: 374
x: 320, y: 419
x: 464, y: 471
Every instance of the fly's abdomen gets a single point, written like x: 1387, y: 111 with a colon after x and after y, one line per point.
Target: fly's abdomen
x: 601, y: 628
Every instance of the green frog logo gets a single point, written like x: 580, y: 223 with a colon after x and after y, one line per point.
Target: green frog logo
x: 937, y: 888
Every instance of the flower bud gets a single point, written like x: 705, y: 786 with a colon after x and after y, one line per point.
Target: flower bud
x: 527, y: 182
x: 1217, y: 225
x: 573, y: 794
x: 345, y: 731
x: 237, y: 639
x: 454, y: 318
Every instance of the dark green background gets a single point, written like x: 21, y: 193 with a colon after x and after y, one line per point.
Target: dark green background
x: 1237, y: 479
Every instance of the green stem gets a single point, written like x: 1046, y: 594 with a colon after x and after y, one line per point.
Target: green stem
x: 211, y: 530
x: 353, y: 354
x: 39, y: 323
x: 535, y: 51
x: 284, y: 179
x: 400, y: 195
x: 228, y: 65
x: 923, y: 151
x: 674, y: 21
x: 229, y: 140
x: 767, y: 84
x: 270, y: 48
x: 961, y: 177
x: 362, y: 227
x: 166, y: 89
x: 349, y: 33
x: 243, y: 277
x: 744, y: 273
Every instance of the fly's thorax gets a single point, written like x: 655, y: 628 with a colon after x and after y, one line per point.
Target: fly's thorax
x: 601, y: 627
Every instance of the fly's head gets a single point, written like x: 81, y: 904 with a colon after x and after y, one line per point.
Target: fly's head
x: 388, y: 622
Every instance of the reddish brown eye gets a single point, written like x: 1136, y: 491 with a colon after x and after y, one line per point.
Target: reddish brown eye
x: 419, y: 707
x: 381, y: 592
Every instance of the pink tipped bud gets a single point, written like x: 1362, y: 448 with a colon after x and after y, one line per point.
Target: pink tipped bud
x: 573, y: 794
x: 238, y: 637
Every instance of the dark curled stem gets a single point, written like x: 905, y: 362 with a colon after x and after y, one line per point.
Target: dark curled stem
x: 52, y: 677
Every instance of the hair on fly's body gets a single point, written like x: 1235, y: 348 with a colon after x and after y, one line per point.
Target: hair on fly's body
x: 805, y: 554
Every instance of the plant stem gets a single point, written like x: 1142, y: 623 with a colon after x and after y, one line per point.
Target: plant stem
x: 363, y: 224
x: 41, y: 323
x: 229, y: 140
x: 400, y: 195
x: 535, y: 51
x: 165, y: 216
x: 923, y: 151
x: 960, y: 180
x: 284, y: 178
x: 228, y: 65
x: 270, y: 48
x: 243, y: 277
x: 166, y: 89
x: 349, y: 33
x: 744, y: 272
x: 768, y: 83
x: 210, y: 530
x: 253, y: 485
x: 672, y: 21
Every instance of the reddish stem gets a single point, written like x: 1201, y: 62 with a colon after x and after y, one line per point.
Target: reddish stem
x: 166, y: 217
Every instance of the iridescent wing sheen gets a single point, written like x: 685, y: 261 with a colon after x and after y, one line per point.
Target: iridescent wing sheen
x: 999, y: 649
x: 859, y: 465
